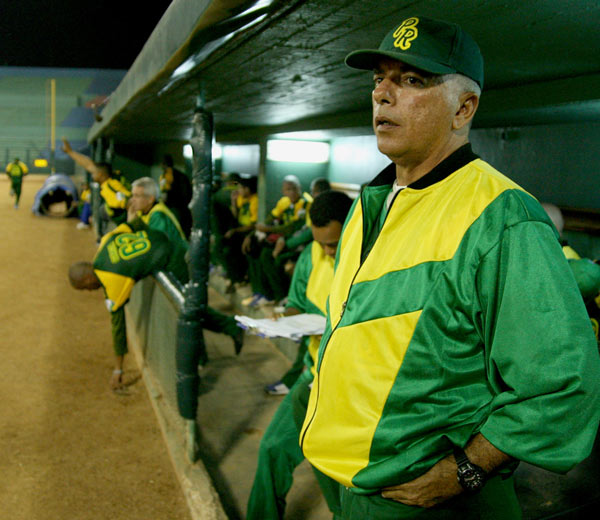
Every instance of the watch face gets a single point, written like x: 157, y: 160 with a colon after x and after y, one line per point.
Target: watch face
x: 471, y: 477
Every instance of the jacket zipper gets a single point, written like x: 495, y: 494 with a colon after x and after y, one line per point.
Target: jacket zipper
x: 344, y: 304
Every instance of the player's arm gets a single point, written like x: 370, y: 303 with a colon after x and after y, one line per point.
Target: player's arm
x: 81, y: 159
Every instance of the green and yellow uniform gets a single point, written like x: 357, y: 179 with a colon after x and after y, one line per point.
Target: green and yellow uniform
x: 115, y: 195
x: 279, y: 452
x: 177, y: 192
x: 162, y: 219
x: 232, y: 258
x: 454, y: 312
x: 267, y: 275
x: 16, y: 170
x: 126, y: 255
x: 290, y: 213
x: 247, y: 209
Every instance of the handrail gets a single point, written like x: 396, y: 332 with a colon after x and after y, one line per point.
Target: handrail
x: 172, y: 288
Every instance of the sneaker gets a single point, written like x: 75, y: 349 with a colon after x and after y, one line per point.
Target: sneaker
x: 263, y: 300
x: 82, y: 225
x: 246, y: 302
x: 277, y: 388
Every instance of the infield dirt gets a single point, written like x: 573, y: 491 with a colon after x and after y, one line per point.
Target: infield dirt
x: 69, y: 447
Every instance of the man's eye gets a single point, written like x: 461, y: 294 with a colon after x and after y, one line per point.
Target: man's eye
x: 377, y: 80
x: 413, y: 80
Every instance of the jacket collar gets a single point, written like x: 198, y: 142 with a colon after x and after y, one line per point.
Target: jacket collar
x: 464, y: 155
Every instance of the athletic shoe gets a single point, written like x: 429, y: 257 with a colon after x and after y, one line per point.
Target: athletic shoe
x: 277, y: 388
x: 82, y: 225
x: 246, y: 302
x: 263, y: 300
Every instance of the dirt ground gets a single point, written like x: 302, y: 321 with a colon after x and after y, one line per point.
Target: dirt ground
x: 69, y: 447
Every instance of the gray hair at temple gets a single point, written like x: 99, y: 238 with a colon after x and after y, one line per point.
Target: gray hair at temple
x: 149, y: 185
x: 292, y: 179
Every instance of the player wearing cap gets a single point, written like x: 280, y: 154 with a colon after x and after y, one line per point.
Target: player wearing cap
x: 456, y: 339
x: 16, y: 170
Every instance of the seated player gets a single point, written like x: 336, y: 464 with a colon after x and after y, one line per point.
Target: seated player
x: 267, y: 275
x: 176, y: 192
x: 291, y: 246
x: 146, y: 204
x: 244, y: 208
x: 85, y: 207
x: 279, y: 451
x: 129, y: 253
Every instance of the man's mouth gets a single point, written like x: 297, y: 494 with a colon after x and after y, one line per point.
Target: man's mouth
x: 384, y: 122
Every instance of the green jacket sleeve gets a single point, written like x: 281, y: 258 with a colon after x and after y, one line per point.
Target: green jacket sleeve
x: 119, y: 331
x: 302, y: 237
x: 541, y: 355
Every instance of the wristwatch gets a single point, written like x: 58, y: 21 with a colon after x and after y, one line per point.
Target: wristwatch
x: 470, y: 476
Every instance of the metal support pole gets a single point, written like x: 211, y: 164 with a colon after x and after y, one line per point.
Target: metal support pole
x: 52, y: 125
x: 191, y: 350
x: 99, y: 223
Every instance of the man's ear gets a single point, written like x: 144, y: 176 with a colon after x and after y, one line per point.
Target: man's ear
x: 469, y: 101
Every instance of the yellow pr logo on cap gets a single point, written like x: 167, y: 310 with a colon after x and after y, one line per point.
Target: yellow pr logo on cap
x: 406, y: 33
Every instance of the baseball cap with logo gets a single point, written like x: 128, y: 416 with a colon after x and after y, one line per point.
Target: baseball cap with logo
x: 430, y: 45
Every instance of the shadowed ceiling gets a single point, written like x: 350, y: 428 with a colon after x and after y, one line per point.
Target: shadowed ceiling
x: 268, y: 66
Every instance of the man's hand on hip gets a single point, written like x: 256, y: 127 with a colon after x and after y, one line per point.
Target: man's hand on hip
x: 432, y: 488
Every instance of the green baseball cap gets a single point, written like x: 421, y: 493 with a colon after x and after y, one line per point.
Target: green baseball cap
x: 430, y: 45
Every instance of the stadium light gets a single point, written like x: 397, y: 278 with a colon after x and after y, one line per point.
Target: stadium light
x: 297, y: 151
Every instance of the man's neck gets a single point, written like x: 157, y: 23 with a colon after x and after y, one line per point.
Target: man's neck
x: 411, y: 170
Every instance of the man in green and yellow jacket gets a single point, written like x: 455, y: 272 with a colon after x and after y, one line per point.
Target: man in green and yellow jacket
x: 279, y: 453
x: 457, y: 341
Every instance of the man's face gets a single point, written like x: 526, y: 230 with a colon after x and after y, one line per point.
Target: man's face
x: 140, y: 201
x: 291, y: 191
x: 412, y: 116
x: 328, y: 236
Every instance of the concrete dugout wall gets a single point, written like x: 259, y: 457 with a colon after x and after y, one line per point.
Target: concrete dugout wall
x: 152, y: 336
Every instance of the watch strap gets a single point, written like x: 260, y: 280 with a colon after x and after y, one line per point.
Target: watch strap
x: 460, y: 456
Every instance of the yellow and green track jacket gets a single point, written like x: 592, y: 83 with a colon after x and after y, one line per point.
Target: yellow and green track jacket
x: 16, y: 170
x: 247, y: 209
x: 161, y: 218
x: 455, y: 314
x: 115, y: 196
x: 310, y: 287
x: 287, y: 212
x: 126, y: 255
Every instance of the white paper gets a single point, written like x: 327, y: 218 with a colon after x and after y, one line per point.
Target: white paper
x: 292, y: 327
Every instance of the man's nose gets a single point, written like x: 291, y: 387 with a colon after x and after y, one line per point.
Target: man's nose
x: 382, y: 92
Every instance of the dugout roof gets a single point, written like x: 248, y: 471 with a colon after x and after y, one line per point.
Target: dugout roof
x: 268, y: 66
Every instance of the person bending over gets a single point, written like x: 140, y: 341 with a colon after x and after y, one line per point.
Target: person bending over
x: 127, y: 254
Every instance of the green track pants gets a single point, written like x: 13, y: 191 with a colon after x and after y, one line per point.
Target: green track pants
x: 279, y: 454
